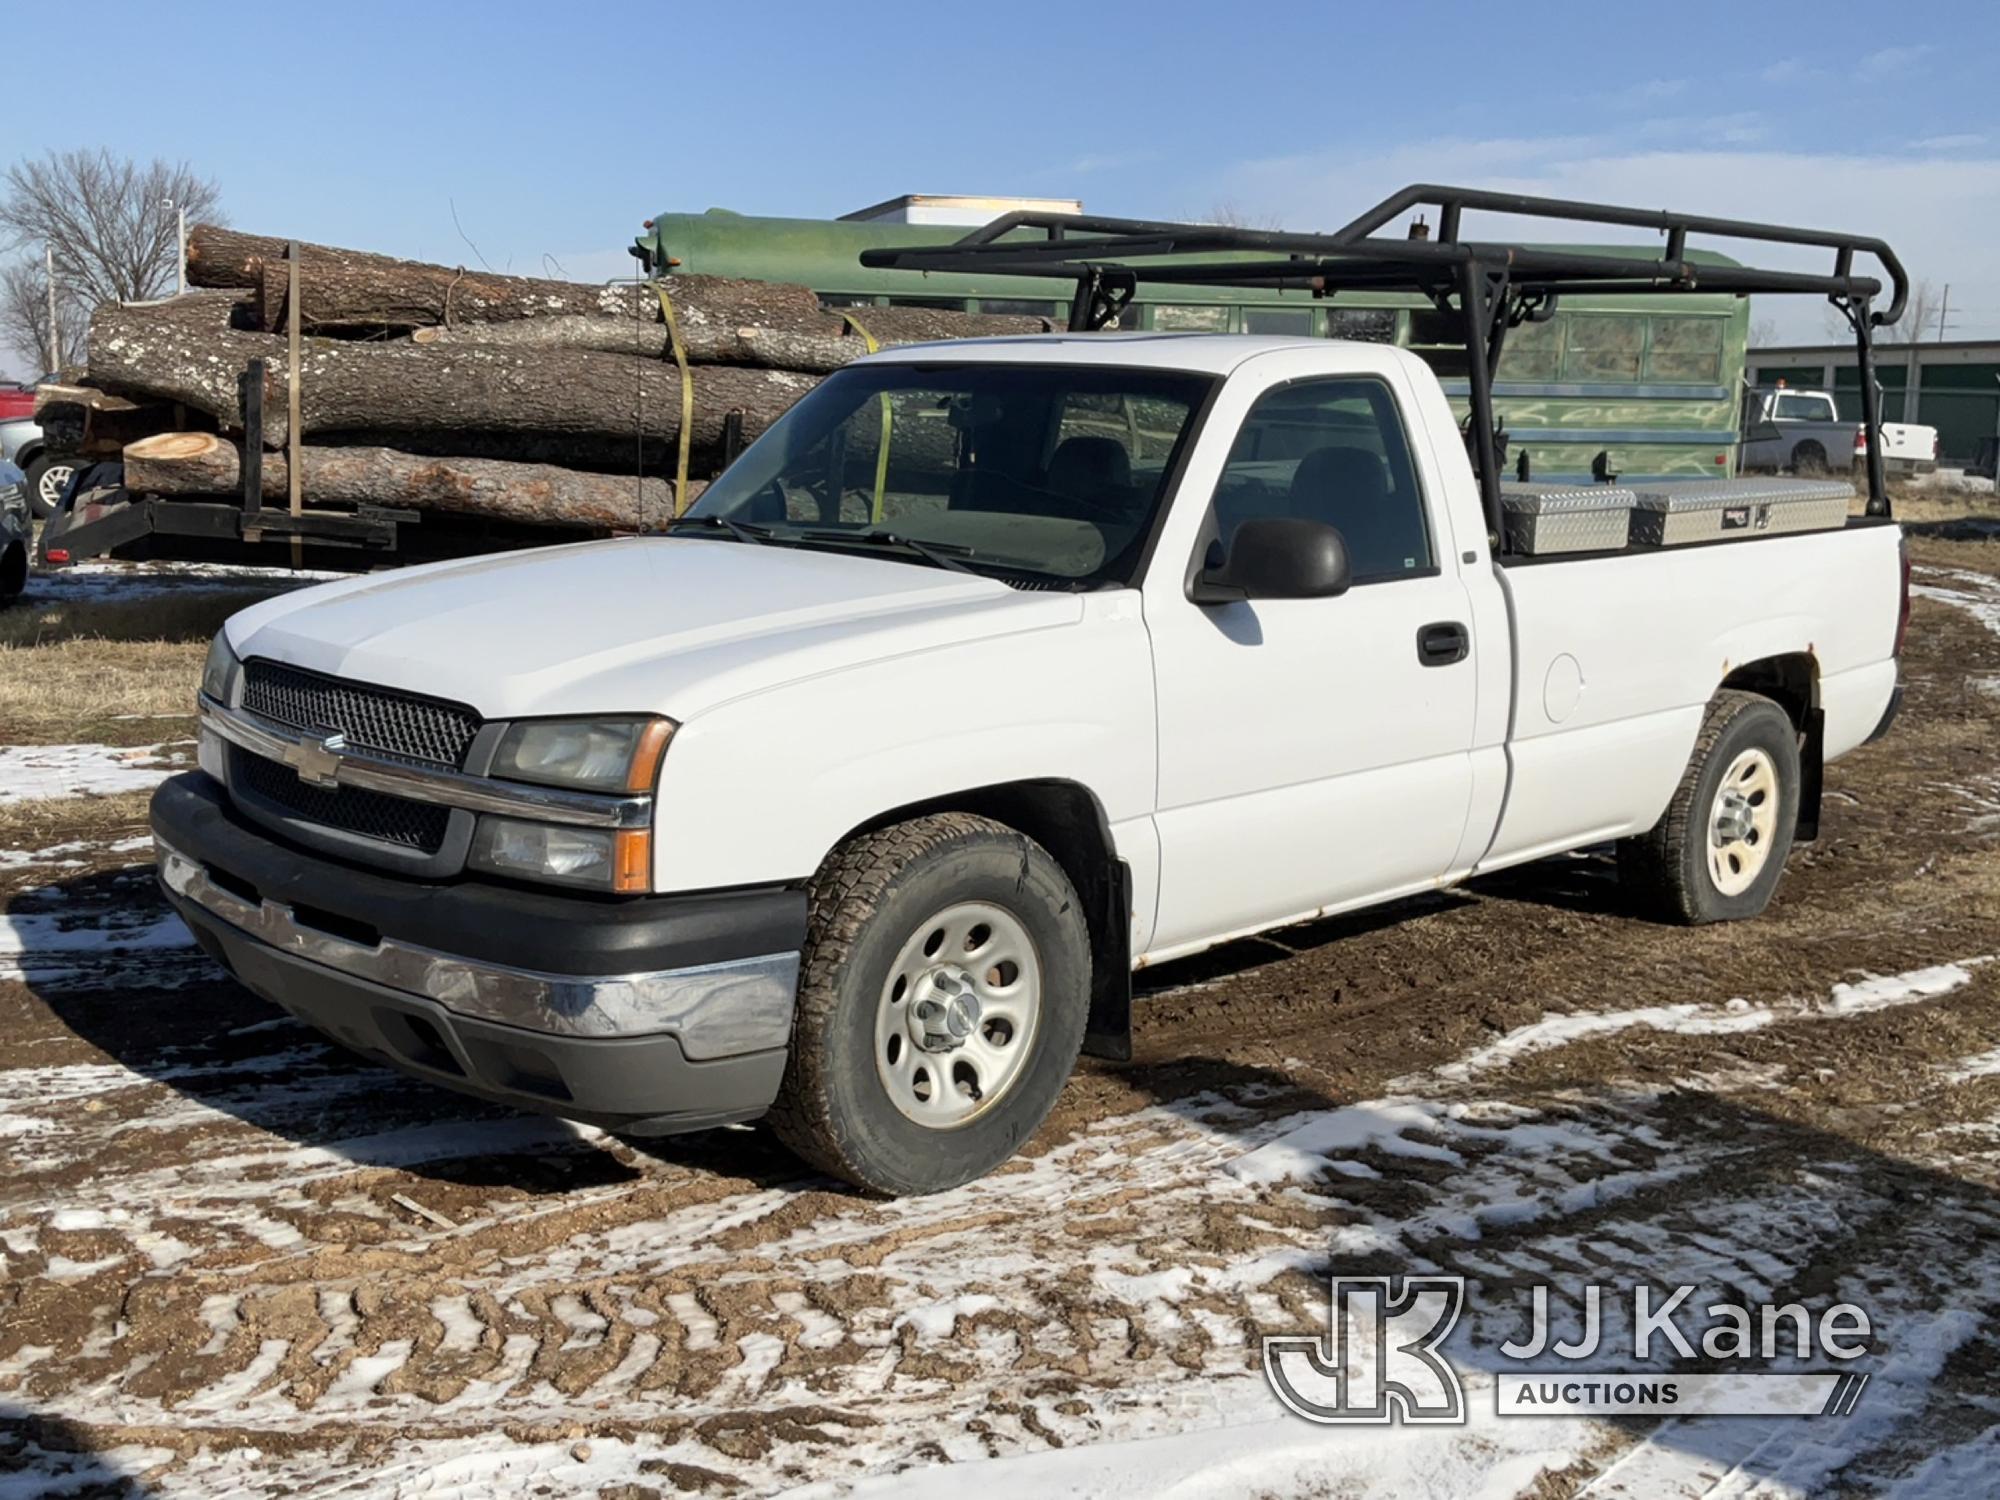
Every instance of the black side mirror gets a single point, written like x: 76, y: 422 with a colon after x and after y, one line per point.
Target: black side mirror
x: 1275, y: 558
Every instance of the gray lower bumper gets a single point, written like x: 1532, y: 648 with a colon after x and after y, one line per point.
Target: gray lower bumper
x: 716, y: 1010
x: 646, y: 1085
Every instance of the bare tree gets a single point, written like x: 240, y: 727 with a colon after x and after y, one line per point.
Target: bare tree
x: 110, y: 223
x: 1236, y: 216
x: 1764, y: 333
x: 1920, y: 315
x: 24, y: 316
x: 1918, y: 322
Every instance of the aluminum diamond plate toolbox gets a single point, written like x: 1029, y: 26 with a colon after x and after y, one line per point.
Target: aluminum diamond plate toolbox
x: 1669, y: 515
x: 1542, y: 519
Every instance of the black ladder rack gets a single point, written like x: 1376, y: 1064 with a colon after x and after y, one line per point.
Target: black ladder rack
x: 1491, y: 286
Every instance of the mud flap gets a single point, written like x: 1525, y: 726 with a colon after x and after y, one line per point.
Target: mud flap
x: 1812, y: 776
x: 1108, y: 1032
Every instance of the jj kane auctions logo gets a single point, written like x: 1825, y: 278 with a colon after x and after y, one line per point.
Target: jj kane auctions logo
x: 1379, y: 1359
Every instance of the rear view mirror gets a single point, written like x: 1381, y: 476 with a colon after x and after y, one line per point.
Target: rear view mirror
x: 1275, y: 558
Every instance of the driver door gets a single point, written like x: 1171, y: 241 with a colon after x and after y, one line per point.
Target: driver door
x: 1311, y: 755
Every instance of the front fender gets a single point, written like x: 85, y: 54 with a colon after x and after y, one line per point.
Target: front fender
x: 760, y: 789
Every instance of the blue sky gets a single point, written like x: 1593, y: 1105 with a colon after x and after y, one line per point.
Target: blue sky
x: 555, y: 129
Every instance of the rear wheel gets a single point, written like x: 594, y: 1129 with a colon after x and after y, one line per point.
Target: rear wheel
x: 48, y: 475
x: 1809, y: 458
x: 942, y: 999
x: 1718, y: 852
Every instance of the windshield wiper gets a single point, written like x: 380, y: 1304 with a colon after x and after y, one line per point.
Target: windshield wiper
x: 937, y: 554
x: 742, y: 531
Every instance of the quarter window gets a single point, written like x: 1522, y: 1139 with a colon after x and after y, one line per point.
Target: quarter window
x: 1331, y: 451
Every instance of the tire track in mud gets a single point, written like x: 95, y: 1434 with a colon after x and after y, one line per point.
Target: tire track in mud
x: 757, y: 1328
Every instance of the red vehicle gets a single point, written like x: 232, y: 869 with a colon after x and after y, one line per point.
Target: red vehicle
x: 17, y: 401
x: 48, y: 474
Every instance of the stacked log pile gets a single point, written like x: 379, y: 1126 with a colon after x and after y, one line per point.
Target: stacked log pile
x: 436, y: 389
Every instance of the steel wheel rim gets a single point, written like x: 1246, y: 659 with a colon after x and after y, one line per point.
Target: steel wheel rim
x: 958, y: 1014
x: 1743, y: 822
x: 54, y: 480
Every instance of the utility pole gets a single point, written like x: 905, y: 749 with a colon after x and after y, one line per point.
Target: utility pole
x: 1944, y: 306
x: 180, y: 246
x: 55, y: 337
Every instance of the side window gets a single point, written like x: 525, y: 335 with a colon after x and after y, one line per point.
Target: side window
x: 1603, y: 346
x: 1332, y: 451
x: 1534, y: 351
x: 1285, y: 321
x: 1190, y: 317
x: 1687, y: 349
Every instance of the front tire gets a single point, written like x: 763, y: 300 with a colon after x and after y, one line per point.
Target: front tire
x: 1717, y: 853
x: 943, y: 992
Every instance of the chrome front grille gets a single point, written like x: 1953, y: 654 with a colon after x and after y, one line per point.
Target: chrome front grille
x: 369, y: 815
x: 429, y: 730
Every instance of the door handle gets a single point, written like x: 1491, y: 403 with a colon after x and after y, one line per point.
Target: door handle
x: 1442, y: 644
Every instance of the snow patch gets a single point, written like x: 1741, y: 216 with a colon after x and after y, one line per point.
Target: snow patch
x: 1978, y: 594
x: 1863, y: 997
x: 37, y: 772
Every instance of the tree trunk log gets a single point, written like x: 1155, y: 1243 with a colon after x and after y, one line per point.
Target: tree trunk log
x: 818, y: 350
x: 916, y: 325
x: 339, y: 297
x: 195, y: 463
x: 218, y: 257
x: 184, y: 350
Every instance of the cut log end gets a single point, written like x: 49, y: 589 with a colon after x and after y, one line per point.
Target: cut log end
x: 171, y: 447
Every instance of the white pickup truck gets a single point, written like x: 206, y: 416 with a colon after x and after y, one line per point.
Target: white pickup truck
x: 855, y: 800
x: 1797, y: 431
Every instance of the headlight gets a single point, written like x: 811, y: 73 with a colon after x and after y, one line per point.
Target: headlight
x: 593, y: 755
x: 219, y: 672
x: 602, y: 859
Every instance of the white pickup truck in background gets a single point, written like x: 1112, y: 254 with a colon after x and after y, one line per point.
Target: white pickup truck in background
x: 855, y: 799
x: 1787, y: 430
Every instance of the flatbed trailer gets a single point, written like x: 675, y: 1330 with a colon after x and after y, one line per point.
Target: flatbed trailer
x: 99, y: 517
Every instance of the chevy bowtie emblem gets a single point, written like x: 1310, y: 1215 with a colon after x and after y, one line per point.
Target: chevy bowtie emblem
x: 317, y: 761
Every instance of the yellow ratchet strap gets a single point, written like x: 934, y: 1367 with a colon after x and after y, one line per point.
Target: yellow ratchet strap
x: 882, y: 453
x: 687, y: 397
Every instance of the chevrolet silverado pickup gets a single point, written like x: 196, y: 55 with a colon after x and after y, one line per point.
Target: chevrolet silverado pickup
x: 992, y: 671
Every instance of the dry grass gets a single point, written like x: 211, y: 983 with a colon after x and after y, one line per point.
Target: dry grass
x: 44, y: 822
x: 107, y: 670
x: 104, y: 692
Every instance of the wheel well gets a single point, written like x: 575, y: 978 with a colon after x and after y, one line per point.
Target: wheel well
x: 13, y: 569
x: 1792, y: 682
x: 1067, y: 820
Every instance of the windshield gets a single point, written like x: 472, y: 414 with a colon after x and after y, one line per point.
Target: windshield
x: 1049, y: 471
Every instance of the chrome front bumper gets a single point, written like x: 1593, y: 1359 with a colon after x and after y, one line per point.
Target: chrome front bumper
x: 715, y: 1010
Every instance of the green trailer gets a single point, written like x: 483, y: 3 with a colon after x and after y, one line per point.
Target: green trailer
x: 1653, y: 388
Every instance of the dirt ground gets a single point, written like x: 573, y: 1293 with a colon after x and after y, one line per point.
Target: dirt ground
x: 236, y: 1260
